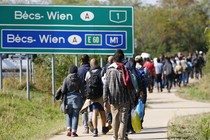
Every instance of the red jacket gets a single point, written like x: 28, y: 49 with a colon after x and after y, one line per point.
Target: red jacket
x: 150, y: 66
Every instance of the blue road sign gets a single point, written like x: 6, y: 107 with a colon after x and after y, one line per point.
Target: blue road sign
x: 61, y: 29
x: 60, y: 39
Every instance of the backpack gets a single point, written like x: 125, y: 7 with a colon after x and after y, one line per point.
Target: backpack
x: 94, y: 85
x: 134, y: 80
x: 142, y: 76
x: 195, y: 62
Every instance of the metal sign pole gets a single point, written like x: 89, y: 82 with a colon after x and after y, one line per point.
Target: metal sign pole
x: 1, y: 81
x: 32, y: 70
x: 76, y: 60
x: 28, y: 78
x: 21, y: 70
x: 101, y: 61
x: 53, y: 79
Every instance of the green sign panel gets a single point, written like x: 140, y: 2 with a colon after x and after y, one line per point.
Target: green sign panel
x: 93, y: 39
x: 66, y: 29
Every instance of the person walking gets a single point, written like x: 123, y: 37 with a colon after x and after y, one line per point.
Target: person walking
x: 143, y: 73
x: 159, y: 72
x: 168, y: 72
x: 74, y: 90
x: 94, y: 97
x: 103, y: 75
x: 149, y: 64
x: 116, y: 93
x: 82, y: 70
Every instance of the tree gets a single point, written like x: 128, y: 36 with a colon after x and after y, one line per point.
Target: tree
x: 170, y: 28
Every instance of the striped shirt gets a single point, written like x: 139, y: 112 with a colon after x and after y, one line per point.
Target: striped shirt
x: 114, y: 89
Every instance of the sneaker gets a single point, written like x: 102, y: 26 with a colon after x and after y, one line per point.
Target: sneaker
x: 86, y: 131
x: 91, y: 128
x: 113, y: 138
x: 105, y: 130
x: 74, y: 134
x: 109, y: 125
x: 126, y: 138
x: 131, y: 132
x: 95, y: 132
x: 69, y: 133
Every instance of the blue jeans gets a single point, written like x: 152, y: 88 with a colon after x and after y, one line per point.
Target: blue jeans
x: 72, y: 119
x: 85, y: 119
x: 86, y: 116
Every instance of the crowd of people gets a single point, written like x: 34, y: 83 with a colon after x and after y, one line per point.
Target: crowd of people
x: 114, y: 90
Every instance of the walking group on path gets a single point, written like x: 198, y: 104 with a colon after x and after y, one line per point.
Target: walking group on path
x: 114, y: 90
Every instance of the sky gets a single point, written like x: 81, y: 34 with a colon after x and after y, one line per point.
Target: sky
x: 152, y: 2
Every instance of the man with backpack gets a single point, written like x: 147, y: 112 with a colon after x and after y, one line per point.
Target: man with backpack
x: 82, y: 70
x: 116, y: 93
x: 130, y: 65
x: 94, y: 100
x: 143, y: 73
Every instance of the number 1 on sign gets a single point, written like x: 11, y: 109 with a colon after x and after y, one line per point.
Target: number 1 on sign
x: 118, y: 16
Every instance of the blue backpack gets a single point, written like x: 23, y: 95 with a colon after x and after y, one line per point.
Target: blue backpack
x: 142, y: 76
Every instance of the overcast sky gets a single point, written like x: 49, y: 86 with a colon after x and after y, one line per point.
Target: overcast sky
x: 152, y: 2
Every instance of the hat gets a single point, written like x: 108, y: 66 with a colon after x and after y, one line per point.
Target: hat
x: 138, y: 57
x: 200, y: 52
x: 73, y: 69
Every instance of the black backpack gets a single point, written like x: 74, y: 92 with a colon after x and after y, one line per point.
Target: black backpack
x: 94, y: 85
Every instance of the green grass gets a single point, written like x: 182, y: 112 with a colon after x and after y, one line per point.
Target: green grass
x: 36, y: 119
x: 196, y: 127
x: 198, y: 91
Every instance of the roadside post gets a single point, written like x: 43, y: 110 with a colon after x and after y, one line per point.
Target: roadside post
x: 28, y: 78
x: 53, y: 79
x: 21, y: 69
x: 1, y: 79
x: 56, y: 29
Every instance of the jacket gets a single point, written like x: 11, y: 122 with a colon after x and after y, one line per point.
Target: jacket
x: 114, y: 90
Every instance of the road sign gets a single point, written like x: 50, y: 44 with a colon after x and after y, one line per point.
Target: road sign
x: 66, y: 29
x: 93, y: 39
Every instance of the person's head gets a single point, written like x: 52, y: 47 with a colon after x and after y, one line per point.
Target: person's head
x: 93, y: 63
x: 110, y: 59
x: 139, y: 59
x: 147, y: 59
x: 118, y: 56
x: 85, y: 59
x: 73, y: 69
x: 158, y: 60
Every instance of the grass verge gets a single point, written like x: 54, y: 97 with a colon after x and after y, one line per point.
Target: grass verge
x: 37, y: 119
x: 198, y: 90
x: 196, y: 127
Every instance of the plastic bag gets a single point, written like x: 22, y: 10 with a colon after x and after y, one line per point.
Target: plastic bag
x: 140, y: 109
x: 135, y: 121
